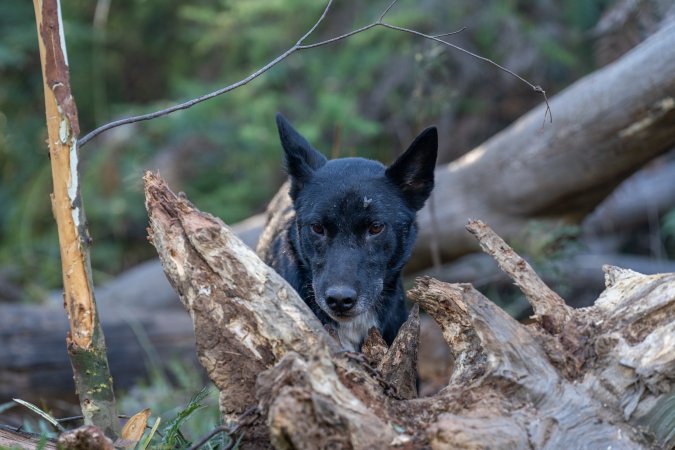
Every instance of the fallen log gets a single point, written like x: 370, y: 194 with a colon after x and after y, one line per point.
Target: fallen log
x: 11, y: 438
x: 145, y: 329
x: 131, y: 301
x: 593, y: 378
x: 638, y: 200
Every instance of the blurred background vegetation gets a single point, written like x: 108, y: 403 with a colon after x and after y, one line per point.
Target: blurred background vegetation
x: 367, y: 95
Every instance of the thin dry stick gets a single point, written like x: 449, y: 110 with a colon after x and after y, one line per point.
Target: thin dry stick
x: 300, y: 46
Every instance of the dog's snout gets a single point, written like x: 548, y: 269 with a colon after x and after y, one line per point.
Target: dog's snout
x: 340, y: 298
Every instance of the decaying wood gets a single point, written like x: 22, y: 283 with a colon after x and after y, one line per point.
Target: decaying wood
x: 544, y: 301
x: 85, y: 341
x: 231, y: 297
x: 87, y: 437
x: 510, y: 388
x: 309, y: 406
x: 503, y: 361
x: 399, y: 364
x: 374, y: 347
x: 609, y: 104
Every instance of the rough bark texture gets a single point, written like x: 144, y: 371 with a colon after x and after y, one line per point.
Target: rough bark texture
x: 134, y: 300
x: 602, y: 378
x: 85, y: 342
x: 87, y: 437
x: 231, y: 297
x: 398, y: 365
x: 545, y: 302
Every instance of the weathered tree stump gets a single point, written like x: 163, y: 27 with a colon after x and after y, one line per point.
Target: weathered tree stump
x: 599, y: 377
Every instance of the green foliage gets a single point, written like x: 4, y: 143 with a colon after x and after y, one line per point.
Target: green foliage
x: 547, y: 244
x: 367, y: 95
x: 163, y: 392
x: 40, y: 422
x: 172, y: 434
x: 668, y: 232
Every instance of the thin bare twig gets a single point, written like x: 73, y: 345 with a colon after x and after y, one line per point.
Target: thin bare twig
x: 452, y: 33
x: 391, y: 5
x: 299, y: 45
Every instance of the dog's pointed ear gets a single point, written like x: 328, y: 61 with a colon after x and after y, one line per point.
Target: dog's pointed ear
x: 413, y: 171
x: 301, y: 159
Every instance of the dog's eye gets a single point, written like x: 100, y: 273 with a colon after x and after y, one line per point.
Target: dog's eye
x: 317, y: 228
x: 375, y: 228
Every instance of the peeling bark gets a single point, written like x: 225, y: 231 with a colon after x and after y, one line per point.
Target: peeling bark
x: 85, y: 341
x: 246, y: 317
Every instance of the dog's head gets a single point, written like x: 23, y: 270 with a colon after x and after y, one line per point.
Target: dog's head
x: 356, y: 219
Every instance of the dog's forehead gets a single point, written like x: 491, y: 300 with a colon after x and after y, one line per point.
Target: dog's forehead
x: 354, y: 203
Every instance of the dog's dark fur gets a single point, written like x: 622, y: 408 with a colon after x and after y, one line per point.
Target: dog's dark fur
x: 351, y: 231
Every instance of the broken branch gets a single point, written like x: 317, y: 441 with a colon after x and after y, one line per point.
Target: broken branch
x: 548, y: 306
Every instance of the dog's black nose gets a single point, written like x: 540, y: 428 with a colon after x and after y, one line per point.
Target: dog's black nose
x: 340, y: 298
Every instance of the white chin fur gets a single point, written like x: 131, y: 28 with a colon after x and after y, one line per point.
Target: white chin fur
x: 352, y: 332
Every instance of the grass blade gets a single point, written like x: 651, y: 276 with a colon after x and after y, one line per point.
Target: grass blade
x: 147, y: 440
x: 172, y: 434
x: 44, y: 415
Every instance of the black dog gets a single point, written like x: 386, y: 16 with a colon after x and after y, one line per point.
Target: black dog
x: 350, y: 232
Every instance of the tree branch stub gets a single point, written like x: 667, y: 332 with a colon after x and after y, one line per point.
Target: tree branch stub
x: 549, y: 308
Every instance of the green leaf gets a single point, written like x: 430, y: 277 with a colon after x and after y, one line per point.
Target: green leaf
x: 172, y: 433
x: 147, y: 440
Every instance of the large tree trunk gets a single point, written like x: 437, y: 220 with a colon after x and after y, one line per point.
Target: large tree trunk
x: 606, y: 126
x: 598, y: 377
